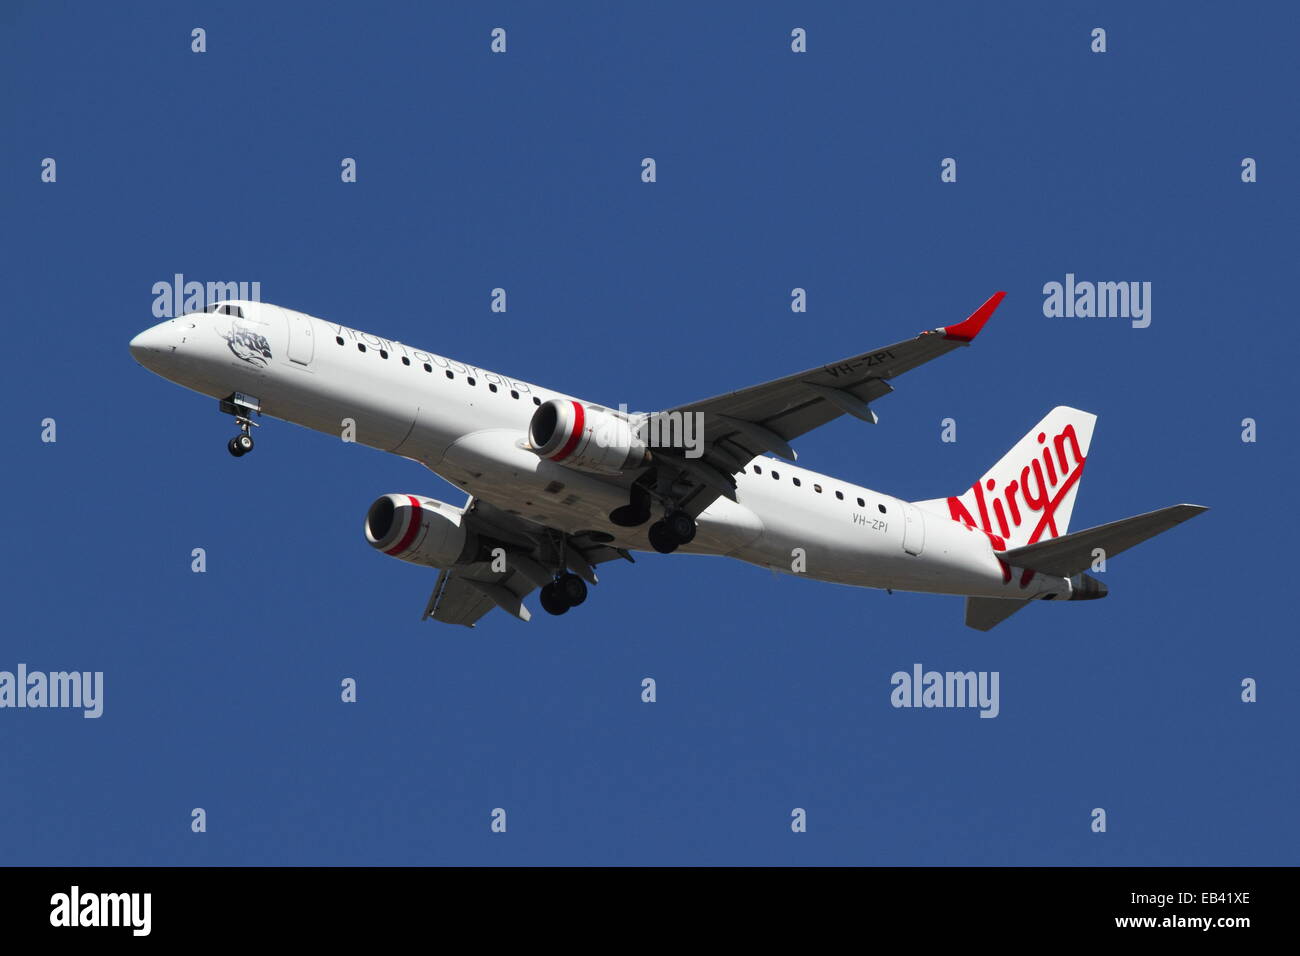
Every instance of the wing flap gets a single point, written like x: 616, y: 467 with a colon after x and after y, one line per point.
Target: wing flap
x: 453, y: 601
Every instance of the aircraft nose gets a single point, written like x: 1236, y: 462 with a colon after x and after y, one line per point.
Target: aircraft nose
x: 154, y: 347
x: 152, y: 342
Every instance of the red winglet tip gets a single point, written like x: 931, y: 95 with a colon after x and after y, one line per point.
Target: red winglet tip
x: 967, y: 330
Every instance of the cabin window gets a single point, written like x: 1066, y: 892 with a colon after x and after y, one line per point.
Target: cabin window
x: 796, y: 482
x: 817, y: 488
x: 513, y: 393
x: 861, y: 503
x: 758, y: 469
x: 361, y: 347
x: 470, y: 380
x: 428, y: 367
x: 383, y: 353
x: 405, y: 360
x: 491, y: 387
x: 338, y: 339
x: 450, y: 373
x: 839, y: 495
x: 882, y: 508
x: 776, y: 475
x: 536, y: 400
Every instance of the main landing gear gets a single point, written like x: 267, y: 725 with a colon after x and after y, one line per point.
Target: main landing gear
x: 566, y: 591
x: 674, y: 530
x: 241, y: 406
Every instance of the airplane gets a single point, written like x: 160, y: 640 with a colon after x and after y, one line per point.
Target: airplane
x: 557, y: 485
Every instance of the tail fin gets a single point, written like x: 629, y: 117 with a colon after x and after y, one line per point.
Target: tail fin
x: 1029, y: 494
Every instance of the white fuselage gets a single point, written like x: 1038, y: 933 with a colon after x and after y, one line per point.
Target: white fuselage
x: 470, y: 426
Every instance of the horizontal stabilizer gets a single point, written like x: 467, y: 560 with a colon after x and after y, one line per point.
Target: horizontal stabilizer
x: 1072, y: 553
x: 984, y: 614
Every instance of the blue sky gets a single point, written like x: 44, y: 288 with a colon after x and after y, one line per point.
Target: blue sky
x: 775, y: 170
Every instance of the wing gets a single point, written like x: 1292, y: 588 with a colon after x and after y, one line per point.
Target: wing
x: 465, y: 593
x: 762, y: 419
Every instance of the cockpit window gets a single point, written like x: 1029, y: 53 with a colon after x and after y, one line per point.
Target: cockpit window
x: 222, y: 308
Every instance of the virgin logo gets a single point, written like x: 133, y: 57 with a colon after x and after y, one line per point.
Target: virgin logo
x: 1033, y: 496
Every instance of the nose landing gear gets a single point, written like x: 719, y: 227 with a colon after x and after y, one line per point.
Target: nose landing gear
x: 240, y: 445
x: 241, y: 406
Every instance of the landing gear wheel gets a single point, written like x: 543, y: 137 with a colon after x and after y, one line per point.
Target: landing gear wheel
x: 681, y: 526
x: 571, y: 588
x: 241, y: 407
x: 662, y: 538
x: 552, y: 601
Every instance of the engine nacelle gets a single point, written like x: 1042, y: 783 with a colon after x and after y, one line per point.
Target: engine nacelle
x: 585, y: 438
x: 419, y: 530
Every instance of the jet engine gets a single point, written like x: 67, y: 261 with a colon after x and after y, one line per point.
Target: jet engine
x: 586, y: 438
x: 420, y: 530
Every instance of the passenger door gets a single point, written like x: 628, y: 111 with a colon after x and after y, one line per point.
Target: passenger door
x: 302, y: 343
x: 913, y: 528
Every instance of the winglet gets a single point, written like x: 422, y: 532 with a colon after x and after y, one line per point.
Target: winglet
x: 967, y: 330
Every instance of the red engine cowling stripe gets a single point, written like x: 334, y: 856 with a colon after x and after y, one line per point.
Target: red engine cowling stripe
x: 412, y: 529
x: 574, y: 437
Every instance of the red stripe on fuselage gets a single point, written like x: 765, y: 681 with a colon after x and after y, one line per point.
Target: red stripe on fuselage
x: 412, y: 529
x: 574, y: 437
